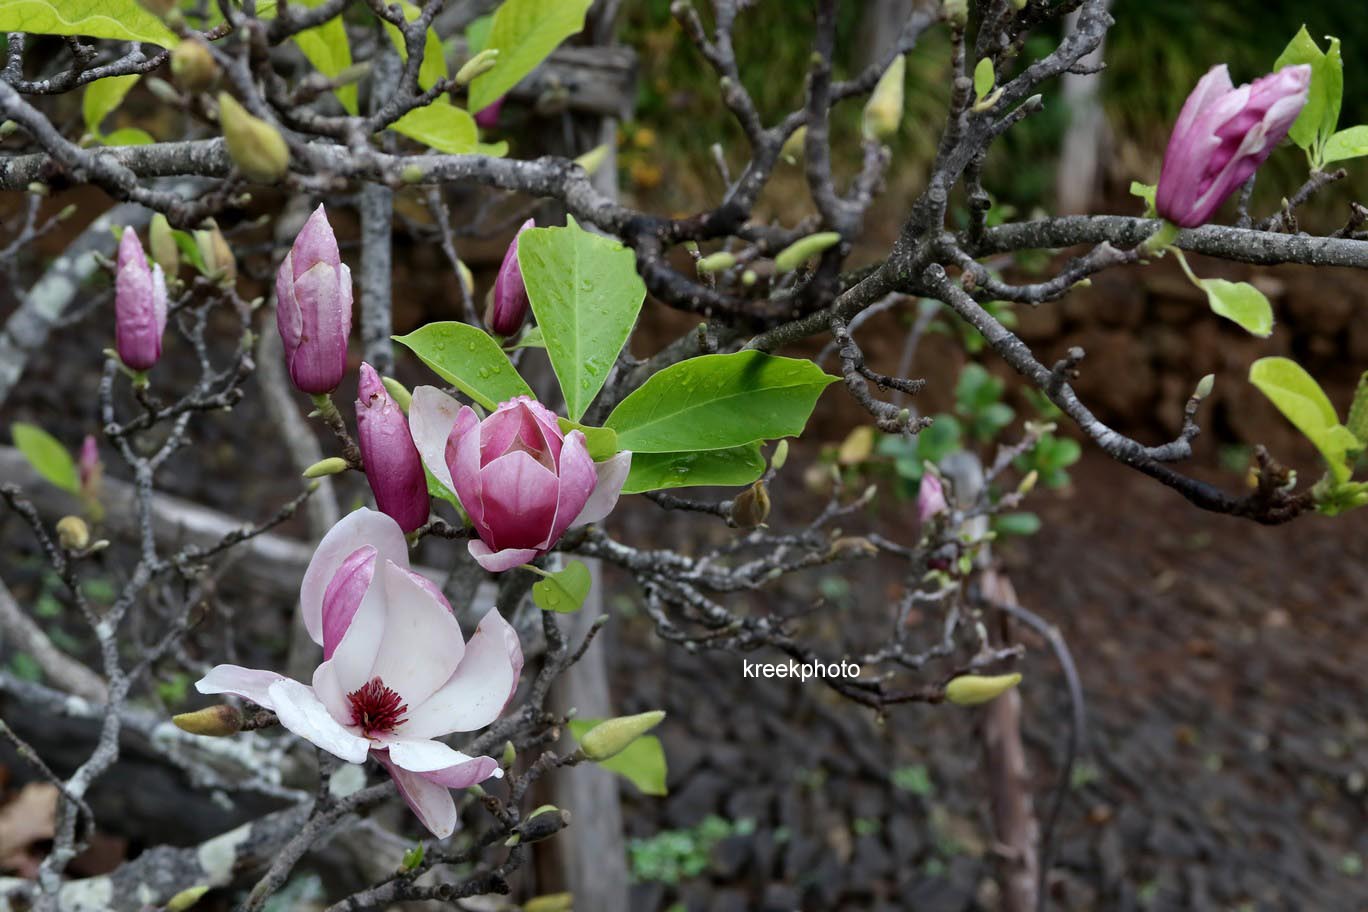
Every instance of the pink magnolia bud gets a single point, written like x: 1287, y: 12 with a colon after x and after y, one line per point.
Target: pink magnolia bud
x: 1221, y: 138
x: 509, y: 308
x: 90, y: 468
x: 314, y: 307
x: 488, y: 116
x: 393, y: 467
x: 930, y: 497
x: 139, y: 305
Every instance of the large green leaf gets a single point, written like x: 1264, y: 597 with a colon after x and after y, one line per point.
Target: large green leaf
x: 102, y: 96
x: 1348, y: 143
x: 1320, y: 116
x: 469, y: 359
x: 117, y: 20
x: 641, y: 763
x: 525, y: 32
x: 562, y: 591
x: 715, y: 402
x: 47, y: 455
x: 586, y: 294
x: 1241, y: 303
x: 732, y: 467
x: 441, y: 126
x: 1301, y: 400
x: 326, y: 47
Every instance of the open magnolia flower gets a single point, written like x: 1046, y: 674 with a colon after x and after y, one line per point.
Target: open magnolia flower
x: 521, y: 480
x: 396, y: 674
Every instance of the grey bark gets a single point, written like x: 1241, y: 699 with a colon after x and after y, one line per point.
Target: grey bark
x: 377, y: 254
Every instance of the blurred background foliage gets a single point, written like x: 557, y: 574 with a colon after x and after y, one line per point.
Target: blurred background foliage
x: 1156, y: 52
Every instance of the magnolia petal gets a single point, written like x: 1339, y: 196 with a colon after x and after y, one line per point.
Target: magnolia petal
x: 432, y: 419
x: 422, y: 644
x: 465, y: 470
x: 356, y: 529
x: 520, y: 499
x: 424, y: 756
x: 355, y: 656
x: 303, y: 713
x: 431, y: 802
x: 612, y: 475
x: 499, y: 561
x: 481, y: 687
x: 578, y: 478
x: 344, y: 594
x: 249, y: 683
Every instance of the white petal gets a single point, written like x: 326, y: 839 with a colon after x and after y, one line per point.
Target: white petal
x: 612, y: 475
x: 249, y: 683
x: 432, y: 803
x: 479, y: 690
x: 303, y: 713
x: 432, y: 416
x: 499, y: 561
x: 419, y: 756
x: 360, y: 527
x: 422, y: 643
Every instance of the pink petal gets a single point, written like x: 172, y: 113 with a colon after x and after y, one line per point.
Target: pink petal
x: 422, y: 644
x: 612, y: 475
x: 465, y: 469
x: 431, y: 802
x: 249, y: 683
x: 303, y: 713
x: 578, y: 478
x: 520, y: 499
x: 499, y: 561
x: 355, y: 656
x: 479, y: 690
x: 356, y: 529
x: 344, y: 594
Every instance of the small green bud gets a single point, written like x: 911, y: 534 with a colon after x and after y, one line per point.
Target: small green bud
x: 1205, y: 386
x: 413, y: 857
x: 8, y: 128
x: 551, y: 902
x: 214, y: 250
x: 330, y: 466
x: 72, y: 533
x: 804, y: 249
x: 780, y: 455
x: 751, y: 507
x: 612, y: 736
x: 510, y: 755
x: 165, y: 253
x: 1357, y: 423
x: 412, y: 174
x: 792, y: 150
x: 67, y: 212
x: 716, y: 262
x: 592, y: 160
x: 214, y: 721
x: 397, y: 392
x: 1028, y: 483
x: 193, y: 66
x: 748, y: 278
x: 256, y: 147
x: 162, y: 90
x: 956, y: 12
x: 477, y: 790
x: 971, y: 690
x: 478, y: 65
x: 187, y: 898
x: 883, y: 113
x: 38, y: 188
x: 467, y: 277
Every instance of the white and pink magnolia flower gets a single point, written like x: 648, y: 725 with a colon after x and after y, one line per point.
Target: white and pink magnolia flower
x: 396, y: 673
x: 519, y: 477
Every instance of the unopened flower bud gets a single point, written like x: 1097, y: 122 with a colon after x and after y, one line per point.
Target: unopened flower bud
x: 139, y: 305
x: 90, y: 467
x: 1205, y: 386
x: 186, y: 898
x: 213, y: 721
x: 329, y: 466
x: 956, y: 12
x: 542, y: 826
x: 256, y: 147
x: 971, y: 690
x: 612, y: 736
x: 550, y: 902
x: 1028, y: 483
x: 804, y: 249
x: 466, y: 276
x: 478, y: 65
x: 8, y: 128
x: 398, y: 392
x: 413, y: 857
x: 488, y: 116
x: 393, y: 466
x: 716, y: 262
x: 884, y: 110
x: 751, y: 507
x: 509, y: 304
x: 792, y: 150
x: 217, y: 255
x: 193, y: 66
x: 72, y: 533
x: 780, y: 456
x: 314, y: 307
x: 930, y: 497
x: 165, y: 253
x: 592, y: 160
x: 510, y: 754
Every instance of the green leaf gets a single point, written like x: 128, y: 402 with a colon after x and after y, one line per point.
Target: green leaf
x: 47, y: 455
x: 1146, y: 192
x: 1016, y: 524
x: 1240, y: 302
x: 469, y: 359
x: 441, y: 126
x: 1349, y: 143
x: 477, y: 34
x: 715, y: 402
x: 562, y: 591
x: 1319, y: 117
x: 586, y: 293
x: 128, y: 136
x: 601, y: 442
x: 117, y: 20
x: 1358, y: 411
x: 531, y: 338
x: 185, y: 242
x: 102, y: 96
x: 327, y: 49
x: 525, y: 33
x: 732, y: 467
x: 434, y: 65
x: 984, y: 78
x: 1301, y: 400
x: 641, y: 763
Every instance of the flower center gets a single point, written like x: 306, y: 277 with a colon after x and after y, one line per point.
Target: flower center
x: 376, y: 709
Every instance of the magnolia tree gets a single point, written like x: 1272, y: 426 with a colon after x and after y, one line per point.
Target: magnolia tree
x: 411, y: 685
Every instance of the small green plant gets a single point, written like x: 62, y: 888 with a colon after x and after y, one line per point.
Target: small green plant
x: 1051, y: 458
x: 674, y: 855
x: 915, y: 779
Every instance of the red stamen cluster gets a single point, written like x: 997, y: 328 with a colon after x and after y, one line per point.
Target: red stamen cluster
x: 376, y: 708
